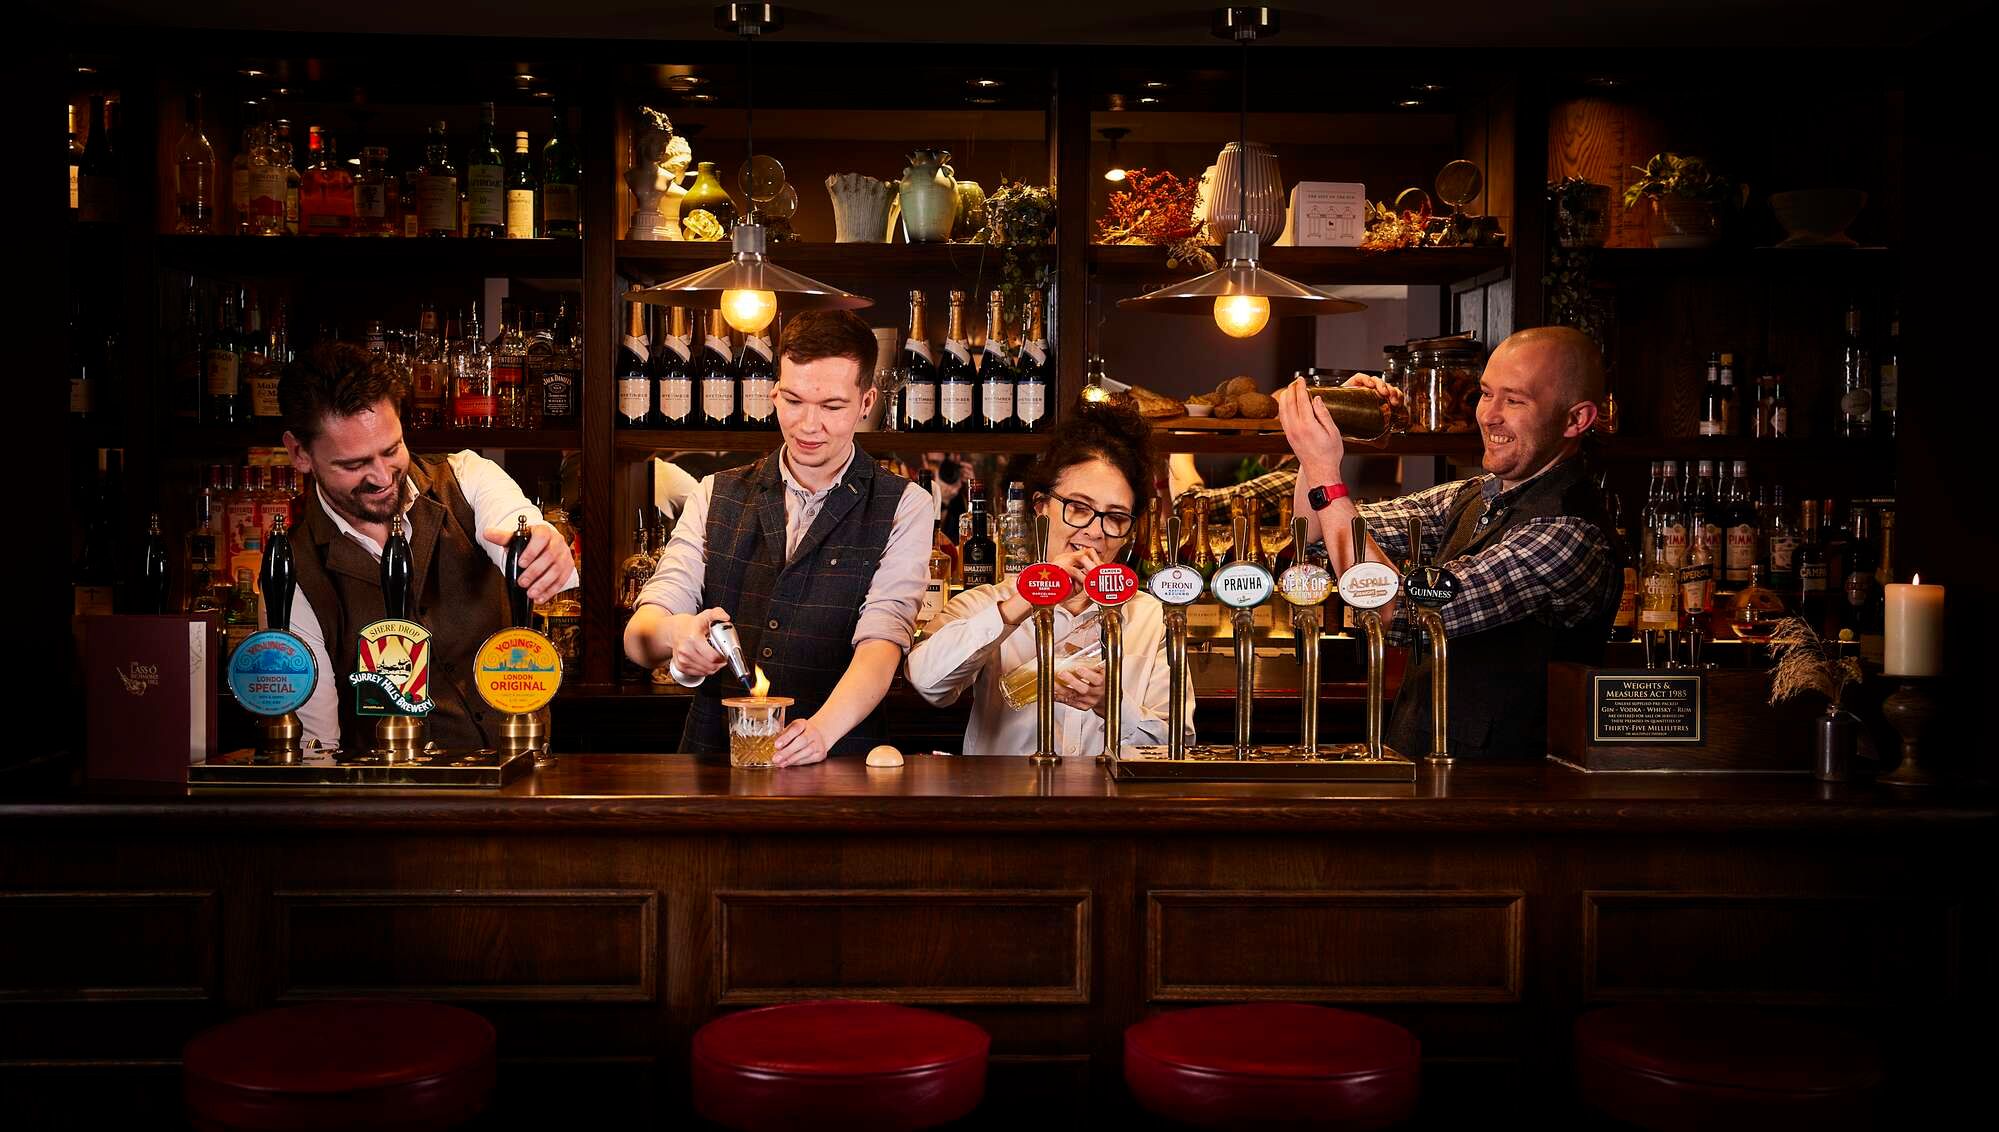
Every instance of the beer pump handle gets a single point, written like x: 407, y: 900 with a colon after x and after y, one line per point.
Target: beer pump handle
x: 1415, y: 541
x: 279, y: 579
x: 396, y: 571
x: 518, y: 605
x: 1298, y: 539
x: 1173, y: 538
x: 1041, y: 532
x: 1359, y: 539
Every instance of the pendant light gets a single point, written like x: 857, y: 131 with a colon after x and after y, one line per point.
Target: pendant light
x: 1111, y: 134
x: 747, y: 287
x: 1241, y: 295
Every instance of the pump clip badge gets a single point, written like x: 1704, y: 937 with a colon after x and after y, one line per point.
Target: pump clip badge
x: 1045, y: 583
x: 1431, y: 586
x: 1112, y: 583
x: 272, y: 673
x: 517, y: 671
x: 393, y: 674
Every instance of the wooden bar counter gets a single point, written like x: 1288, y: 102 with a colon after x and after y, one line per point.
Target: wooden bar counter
x: 604, y: 908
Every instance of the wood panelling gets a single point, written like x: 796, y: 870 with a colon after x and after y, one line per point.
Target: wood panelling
x: 1447, y: 946
x: 1601, y: 141
x: 1775, y: 948
x: 585, y: 945
x: 937, y: 946
x: 108, y: 945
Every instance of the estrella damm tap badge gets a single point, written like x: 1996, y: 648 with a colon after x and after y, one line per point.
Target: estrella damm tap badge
x: 517, y: 671
x: 393, y: 669
x: 272, y: 673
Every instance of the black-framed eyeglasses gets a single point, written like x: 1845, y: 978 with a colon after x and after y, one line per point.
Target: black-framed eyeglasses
x: 1078, y: 514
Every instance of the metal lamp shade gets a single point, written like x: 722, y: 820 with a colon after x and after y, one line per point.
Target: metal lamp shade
x: 748, y: 270
x: 1241, y: 276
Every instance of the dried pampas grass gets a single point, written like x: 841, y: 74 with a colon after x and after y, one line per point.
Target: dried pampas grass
x: 1807, y: 663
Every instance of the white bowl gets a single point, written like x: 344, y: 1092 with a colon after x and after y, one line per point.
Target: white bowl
x: 1817, y: 217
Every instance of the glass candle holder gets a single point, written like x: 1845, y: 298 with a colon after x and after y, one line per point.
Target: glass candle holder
x: 754, y: 722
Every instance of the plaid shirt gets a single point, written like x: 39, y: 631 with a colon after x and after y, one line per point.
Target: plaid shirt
x: 1554, y: 568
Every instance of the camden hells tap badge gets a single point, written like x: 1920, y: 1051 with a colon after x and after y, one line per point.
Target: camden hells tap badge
x: 517, y: 671
x: 393, y: 673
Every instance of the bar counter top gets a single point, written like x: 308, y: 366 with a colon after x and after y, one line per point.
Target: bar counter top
x: 676, y: 793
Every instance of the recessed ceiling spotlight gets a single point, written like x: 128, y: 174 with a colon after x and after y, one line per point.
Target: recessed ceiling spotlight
x: 1604, y: 81
x: 1408, y: 103
x: 1155, y: 84
x: 544, y: 94
x: 700, y: 98
x: 681, y: 84
x: 982, y: 101
x: 1430, y: 88
x: 1147, y: 100
x: 251, y: 73
x: 985, y: 84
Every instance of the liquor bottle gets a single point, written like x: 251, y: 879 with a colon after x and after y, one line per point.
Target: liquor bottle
x: 522, y: 188
x: 1741, y: 527
x: 1016, y: 530
x: 937, y: 580
x: 1648, y: 519
x: 1812, y: 568
x: 1873, y: 618
x: 1860, y: 588
x: 632, y: 578
x: 83, y: 375
x: 240, y: 212
x: 1712, y: 421
x: 559, y: 182
x: 1731, y: 407
x: 195, y: 202
x: 428, y: 373
x: 1035, y: 371
x: 437, y: 187
x: 1704, y: 512
x: 919, y: 372
x: 486, y: 180
x: 510, y: 369
x: 267, y: 183
x: 996, y: 374
x: 326, y: 188
x: 151, y: 592
x: 1888, y: 381
x: 241, y: 618
x: 375, y: 195
x: 246, y: 522
x: 409, y: 204
x: 75, y: 158
x: 222, y: 366
x: 756, y: 378
x: 981, y: 552
x: 201, y: 548
x: 1659, y: 609
x: 634, y: 384
x: 957, y: 381
x: 473, y: 403
x: 97, y: 169
x: 94, y: 580
x: 1697, y: 581
x: 551, y: 385
x: 259, y: 368
x: 286, y: 154
x: 1780, y: 542
x: 1755, y: 610
x: 1204, y: 550
x: 1856, y: 399
x: 189, y: 390
x: 716, y: 372
x: 561, y: 616
x: 673, y: 371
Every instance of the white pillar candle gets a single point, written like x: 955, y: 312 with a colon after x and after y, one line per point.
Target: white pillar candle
x: 1914, y: 645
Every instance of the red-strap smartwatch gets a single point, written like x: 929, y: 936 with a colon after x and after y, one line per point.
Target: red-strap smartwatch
x: 1322, y: 497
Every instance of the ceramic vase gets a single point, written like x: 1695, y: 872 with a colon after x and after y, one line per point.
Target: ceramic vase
x: 928, y: 194
x: 971, y: 211
x: 860, y: 207
x: 706, y: 194
x: 1681, y: 223
x: 1266, y: 193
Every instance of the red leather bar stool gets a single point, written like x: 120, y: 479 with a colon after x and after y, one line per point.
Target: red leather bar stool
x: 401, y: 1066
x: 1701, y: 1067
x: 838, y: 1064
x: 1273, y: 1063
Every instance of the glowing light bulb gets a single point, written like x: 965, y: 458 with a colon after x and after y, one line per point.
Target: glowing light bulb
x: 749, y: 311
x: 1242, y: 316
x: 1114, y: 173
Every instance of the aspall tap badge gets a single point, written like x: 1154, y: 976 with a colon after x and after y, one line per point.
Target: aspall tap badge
x: 1112, y: 583
x: 517, y: 671
x: 1307, y: 583
x: 272, y: 673
x: 1431, y: 586
x: 1243, y: 585
x: 1045, y: 583
x: 393, y: 677
x: 1369, y: 585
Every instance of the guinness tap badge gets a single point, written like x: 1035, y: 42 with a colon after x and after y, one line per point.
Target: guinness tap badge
x: 1369, y: 585
x: 394, y: 673
x: 1431, y: 586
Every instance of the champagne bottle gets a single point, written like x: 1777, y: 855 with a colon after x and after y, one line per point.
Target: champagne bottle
x: 756, y: 378
x: 673, y: 371
x: 957, y: 381
x: 997, y: 377
x: 634, y: 384
x: 1034, y: 371
x: 716, y: 371
x: 919, y: 372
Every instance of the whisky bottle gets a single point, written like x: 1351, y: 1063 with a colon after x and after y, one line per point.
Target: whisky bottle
x: 326, y: 189
x: 1659, y: 609
x: 436, y: 186
x: 486, y: 180
x: 560, y: 216
x: 428, y: 373
x: 473, y: 403
x: 510, y: 363
x: 937, y: 581
x: 195, y: 190
x: 375, y: 195
x: 222, y: 367
x: 1856, y: 399
x: 1813, y: 569
x: 521, y: 191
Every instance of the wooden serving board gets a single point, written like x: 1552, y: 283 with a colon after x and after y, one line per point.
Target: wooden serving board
x: 1210, y: 424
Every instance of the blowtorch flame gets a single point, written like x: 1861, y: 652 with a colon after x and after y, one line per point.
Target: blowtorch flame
x: 762, y: 687
x: 1916, y: 581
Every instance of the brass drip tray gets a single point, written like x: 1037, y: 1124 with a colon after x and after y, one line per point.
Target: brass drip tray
x: 484, y: 769
x: 1332, y: 762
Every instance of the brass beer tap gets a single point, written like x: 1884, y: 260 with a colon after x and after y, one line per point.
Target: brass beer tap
x: 1429, y: 589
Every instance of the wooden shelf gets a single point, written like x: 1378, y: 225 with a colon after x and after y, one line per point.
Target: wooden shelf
x: 1250, y: 443
x: 634, y: 442
x: 203, y: 439
x: 1642, y: 263
x: 378, y: 257
x: 663, y: 259
x: 1829, y: 451
x: 1409, y: 266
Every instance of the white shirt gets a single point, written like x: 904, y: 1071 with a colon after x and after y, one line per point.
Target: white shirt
x: 888, y: 613
x: 970, y: 645
x: 496, y: 501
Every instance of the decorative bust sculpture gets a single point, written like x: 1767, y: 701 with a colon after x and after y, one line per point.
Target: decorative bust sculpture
x: 661, y: 160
